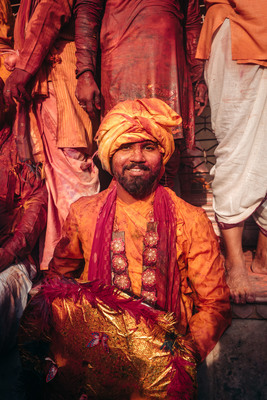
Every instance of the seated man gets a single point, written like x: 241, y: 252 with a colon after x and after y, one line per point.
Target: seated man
x: 23, y: 204
x: 142, y: 238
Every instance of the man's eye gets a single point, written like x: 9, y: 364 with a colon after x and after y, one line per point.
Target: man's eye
x: 150, y: 147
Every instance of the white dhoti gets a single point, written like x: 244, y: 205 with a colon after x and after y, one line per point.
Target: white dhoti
x: 15, y: 285
x: 238, y: 100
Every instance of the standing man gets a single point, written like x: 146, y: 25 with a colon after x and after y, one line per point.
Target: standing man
x: 139, y: 236
x: 50, y: 118
x: 147, y: 50
x: 234, y: 43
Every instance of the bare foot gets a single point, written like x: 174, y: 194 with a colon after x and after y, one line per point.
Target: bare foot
x: 237, y: 279
x: 259, y: 264
x: 236, y: 271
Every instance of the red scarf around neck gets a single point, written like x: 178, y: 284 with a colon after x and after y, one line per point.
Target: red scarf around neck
x: 168, y: 277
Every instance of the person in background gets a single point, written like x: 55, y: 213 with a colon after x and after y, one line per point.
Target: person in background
x: 23, y: 211
x: 147, y: 49
x: 233, y: 42
x: 23, y: 208
x: 49, y: 119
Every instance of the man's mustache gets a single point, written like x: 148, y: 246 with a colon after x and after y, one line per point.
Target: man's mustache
x: 135, y: 165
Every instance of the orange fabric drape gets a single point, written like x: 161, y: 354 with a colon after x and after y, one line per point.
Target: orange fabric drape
x: 248, y: 21
x: 199, y: 262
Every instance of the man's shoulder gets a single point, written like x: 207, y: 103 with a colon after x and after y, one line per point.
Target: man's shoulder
x: 192, y: 218
x: 182, y: 207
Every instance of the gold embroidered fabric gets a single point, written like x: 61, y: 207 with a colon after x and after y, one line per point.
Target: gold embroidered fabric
x: 96, y: 350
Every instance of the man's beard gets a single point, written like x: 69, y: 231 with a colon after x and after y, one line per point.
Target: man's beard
x: 139, y: 186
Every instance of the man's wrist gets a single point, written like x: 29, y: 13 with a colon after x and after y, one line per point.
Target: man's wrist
x: 24, y: 75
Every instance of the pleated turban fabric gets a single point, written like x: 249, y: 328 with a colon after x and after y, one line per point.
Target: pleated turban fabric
x: 134, y: 121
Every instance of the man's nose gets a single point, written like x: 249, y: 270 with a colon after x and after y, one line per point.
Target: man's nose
x: 137, y: 155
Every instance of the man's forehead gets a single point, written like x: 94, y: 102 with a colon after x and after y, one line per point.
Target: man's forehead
x: 146, y: 141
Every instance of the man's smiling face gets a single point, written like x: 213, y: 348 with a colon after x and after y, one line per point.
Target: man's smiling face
x: 137, y: 166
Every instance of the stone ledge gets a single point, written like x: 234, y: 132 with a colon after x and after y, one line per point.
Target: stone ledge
x: 249, y: 311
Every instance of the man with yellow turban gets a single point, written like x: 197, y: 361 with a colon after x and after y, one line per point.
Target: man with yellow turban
x: 139, y: 236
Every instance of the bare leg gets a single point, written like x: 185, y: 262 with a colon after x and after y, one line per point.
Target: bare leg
x: 259, y: 264
x: 236, y: 272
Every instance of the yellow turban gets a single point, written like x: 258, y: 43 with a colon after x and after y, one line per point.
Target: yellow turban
x: 137, y: 120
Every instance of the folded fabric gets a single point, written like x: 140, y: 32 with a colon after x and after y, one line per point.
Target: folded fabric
x: 135, y: 121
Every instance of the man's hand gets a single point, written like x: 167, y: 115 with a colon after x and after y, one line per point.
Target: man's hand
x: 88, y: 94
x: 201, y: 97
x: 11, y: 60
x: 88, y: 165
x: 6, y: 259
x: 15, y: 87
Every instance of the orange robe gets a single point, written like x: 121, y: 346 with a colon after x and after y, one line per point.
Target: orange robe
x: 248, y: 21
x: 44, y: 37
x: 45, y: 40
x: 200, y: 264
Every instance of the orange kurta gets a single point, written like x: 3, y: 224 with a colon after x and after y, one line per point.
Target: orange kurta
x: 198, y: 255
x: 50, y: 55
x: 44, y: 37
x: 248, y: 21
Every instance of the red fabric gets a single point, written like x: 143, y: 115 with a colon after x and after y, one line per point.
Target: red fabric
x: 22, y: 16
x: 181, y: 385
x: 100, y: 261
x: 34, y: 46
x: 23, y: 202
x: 168, y: 278
x: 88, y: 15
x: 142, y: 52
x: 26, y: 214
x: 93, y: 292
